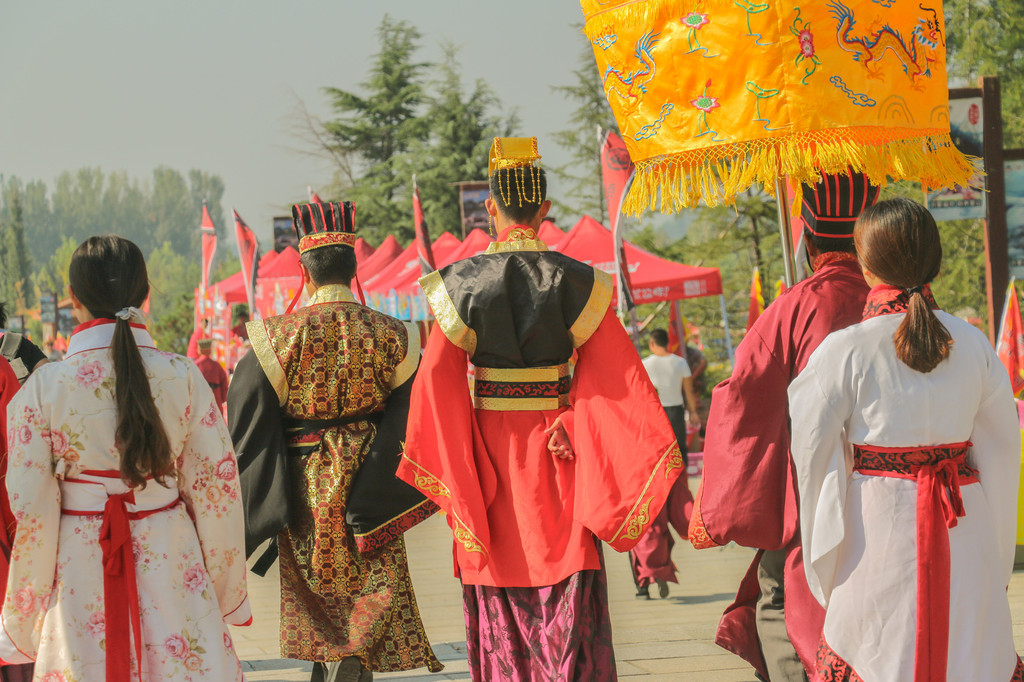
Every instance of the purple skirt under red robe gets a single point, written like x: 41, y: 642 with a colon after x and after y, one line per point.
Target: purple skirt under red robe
x: 529, y: 634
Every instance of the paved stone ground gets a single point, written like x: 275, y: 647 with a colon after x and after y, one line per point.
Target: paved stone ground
x: 670, y: 639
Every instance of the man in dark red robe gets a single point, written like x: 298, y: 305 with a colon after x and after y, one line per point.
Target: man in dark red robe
x: 748, y: 491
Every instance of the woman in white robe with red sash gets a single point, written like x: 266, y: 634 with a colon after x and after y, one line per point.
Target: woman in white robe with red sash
x: 907, y: 450
x: 127, y: 562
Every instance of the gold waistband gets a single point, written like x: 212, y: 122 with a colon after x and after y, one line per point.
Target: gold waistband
x: 521, y: 388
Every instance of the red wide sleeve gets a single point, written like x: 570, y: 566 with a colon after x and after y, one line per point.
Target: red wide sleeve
x: 627, y: 457
x: 445, y: 457
x: 747, y: 480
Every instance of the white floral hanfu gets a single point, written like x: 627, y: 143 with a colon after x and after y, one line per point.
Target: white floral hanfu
x: 147, y: 578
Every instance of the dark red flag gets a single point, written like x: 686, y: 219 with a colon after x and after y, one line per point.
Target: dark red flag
x: 313, y: 198
x: 249, y: 255
x: 423, y: 250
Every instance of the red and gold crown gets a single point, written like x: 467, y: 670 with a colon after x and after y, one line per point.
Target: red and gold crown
x: 324, y: 224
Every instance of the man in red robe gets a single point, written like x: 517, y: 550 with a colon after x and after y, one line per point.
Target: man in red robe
x: 535, y: 466
x: 212, y: 371
x: 748, y: 490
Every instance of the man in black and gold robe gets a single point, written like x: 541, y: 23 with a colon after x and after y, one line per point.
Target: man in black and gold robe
x: 317, y: 411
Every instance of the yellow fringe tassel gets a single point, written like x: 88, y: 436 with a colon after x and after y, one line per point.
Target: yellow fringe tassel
x: 599, y: 19
x: 718, y: 174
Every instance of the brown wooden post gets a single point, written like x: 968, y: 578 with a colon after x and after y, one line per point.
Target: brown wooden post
x: 997, y: 259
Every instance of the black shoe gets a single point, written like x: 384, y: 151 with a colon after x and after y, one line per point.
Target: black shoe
x: 643, y: 592
x: 662, y: 589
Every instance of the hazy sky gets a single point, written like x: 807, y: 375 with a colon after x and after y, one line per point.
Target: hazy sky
x: 214, y: 84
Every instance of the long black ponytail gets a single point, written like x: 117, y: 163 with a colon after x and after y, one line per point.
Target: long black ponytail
x: 108, y: 275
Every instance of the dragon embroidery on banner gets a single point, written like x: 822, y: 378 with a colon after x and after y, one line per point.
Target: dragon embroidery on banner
x: 629, y: 85
x: 916, y: 55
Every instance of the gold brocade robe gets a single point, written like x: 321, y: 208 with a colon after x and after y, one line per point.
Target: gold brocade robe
x: 337, y: 359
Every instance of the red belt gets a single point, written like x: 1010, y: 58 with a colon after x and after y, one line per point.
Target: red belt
x: 119, y: 582
x: 939, y: 470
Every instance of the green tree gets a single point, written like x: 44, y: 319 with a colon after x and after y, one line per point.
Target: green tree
x: 986, y: 38
x: 171, y: 275
x: 52, y: 276
x: 172, y: 330
x: 371, y: 132
x: 584, y: 189
x: 15, y: 266
x: 462, y: 125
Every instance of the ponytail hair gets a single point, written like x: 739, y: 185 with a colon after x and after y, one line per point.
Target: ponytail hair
x: 108, y: 274
x: 897, y: 241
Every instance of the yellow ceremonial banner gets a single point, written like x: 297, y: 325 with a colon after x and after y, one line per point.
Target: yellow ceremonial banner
x: 712, y: 96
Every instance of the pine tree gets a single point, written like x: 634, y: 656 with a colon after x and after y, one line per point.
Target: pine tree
x: 371, y: 132
x: 584, y: 190
x: 462, y: 126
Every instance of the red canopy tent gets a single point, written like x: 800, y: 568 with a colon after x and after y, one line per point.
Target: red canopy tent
x: 654, y: 279
x: 285, y: 265
x: 550, y: 234
x: 381, y: 258
x: 232, y: 288
x: 408, y: 281
x: 407, y: 264
x: 363, y: 250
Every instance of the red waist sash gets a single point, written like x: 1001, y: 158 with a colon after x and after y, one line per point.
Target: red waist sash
x: 939, y: 470
x: 121, y: 608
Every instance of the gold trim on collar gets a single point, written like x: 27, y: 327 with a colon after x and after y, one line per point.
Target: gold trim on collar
x: 411, y: 361
x: 519, y: 239
x: 332, y: 293
x: 267, y: 356
x: 594, y: 310
x: 446, y: 314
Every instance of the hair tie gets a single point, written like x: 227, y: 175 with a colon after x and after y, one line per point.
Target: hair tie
x: 129, y: 313
x: 915, y: 290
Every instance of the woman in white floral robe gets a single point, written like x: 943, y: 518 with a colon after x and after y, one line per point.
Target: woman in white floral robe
x: 187, y: 554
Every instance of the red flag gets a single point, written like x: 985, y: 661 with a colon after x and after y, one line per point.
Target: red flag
x: 249, y: 255
x: 209, y: 237
x: 756, y: 300
x: 1011, y: 340
x: 313, y: 198
x: 616, y: 170
x: 423, y: 250
x: 617, y: 175
x: 676, y: 330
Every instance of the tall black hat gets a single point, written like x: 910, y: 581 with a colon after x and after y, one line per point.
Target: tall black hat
x: 830, y: 208
x: 324, y: 224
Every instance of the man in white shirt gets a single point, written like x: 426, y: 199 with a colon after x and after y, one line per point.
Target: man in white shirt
x: 670, y: 374
x: 651, y: 559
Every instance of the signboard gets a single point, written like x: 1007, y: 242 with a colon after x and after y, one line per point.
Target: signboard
x: 965, y: 127
x: 1013, y: 174
x: 471, y: 202
x: 65, y: 322
x: 48, y: 308
x: 284, y: 234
